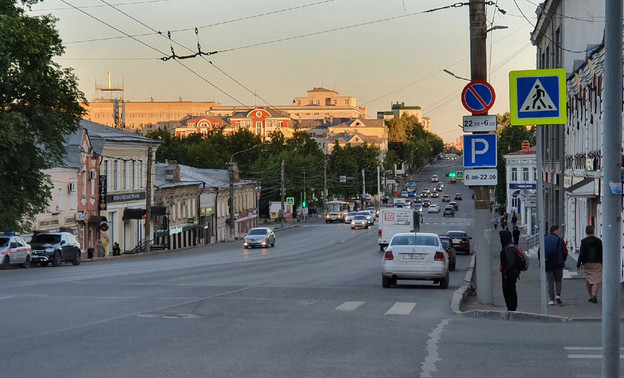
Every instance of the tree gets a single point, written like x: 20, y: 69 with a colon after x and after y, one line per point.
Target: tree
x: 509, y: 140
x: 40, y: 106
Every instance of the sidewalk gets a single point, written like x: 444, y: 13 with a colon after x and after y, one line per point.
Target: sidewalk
x: 574, y: 294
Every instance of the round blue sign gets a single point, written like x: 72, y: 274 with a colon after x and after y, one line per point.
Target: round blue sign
x: 478, y: 97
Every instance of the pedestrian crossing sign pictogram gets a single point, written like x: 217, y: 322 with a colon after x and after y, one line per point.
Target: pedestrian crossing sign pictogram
x: 538, y: 97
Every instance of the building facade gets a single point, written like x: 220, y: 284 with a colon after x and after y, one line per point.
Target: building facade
x: 521, y: 179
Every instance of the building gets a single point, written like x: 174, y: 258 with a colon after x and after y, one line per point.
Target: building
x: 356, y: 132
x: 521, y: 179
x: 399, y: 109
x: 562, y: 35
x: 199, y: 125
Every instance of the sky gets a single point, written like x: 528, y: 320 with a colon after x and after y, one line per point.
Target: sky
x: 269, y: 51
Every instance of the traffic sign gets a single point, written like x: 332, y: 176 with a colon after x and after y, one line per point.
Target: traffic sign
x: 290, y: 200
x: 480, y: 150
x: 538, y: 97
x: 481, y: 177
x: 478, y: 97
x: 479, y: 123
x: 459, y: 175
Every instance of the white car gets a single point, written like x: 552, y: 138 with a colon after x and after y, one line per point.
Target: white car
x: 14, y: 250
x: 433, y: 208
x: 350, y: 216
x: 415, y: 256
x: 370, y: 217
x: 260, y: 237
x: 434, y: 178
x: 359, y: 221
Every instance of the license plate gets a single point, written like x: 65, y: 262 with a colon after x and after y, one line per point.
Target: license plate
x: 413, y: 256
x: 457, y: 241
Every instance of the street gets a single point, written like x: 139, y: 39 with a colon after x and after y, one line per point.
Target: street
x: 312, y: 306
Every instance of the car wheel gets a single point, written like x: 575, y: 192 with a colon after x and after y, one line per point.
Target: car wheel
x: 56, y: 259
x: 386, y: 282
x: 43, y: 263
x: 444, y: 283
x: 273, y: 244
x: 77, y: 259
x: 26, y: 263
x: 5, y: 263
x: 381, y: 248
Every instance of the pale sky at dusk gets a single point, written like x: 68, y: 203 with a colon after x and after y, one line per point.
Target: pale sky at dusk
x: 379, y: 51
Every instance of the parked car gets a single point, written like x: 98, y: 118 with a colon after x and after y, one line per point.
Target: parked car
x: 55, y: 247
x: 14, y: 251
x: 415, y: 256
x: 446, y: 198
x: 259, y: 237
x: 359, y: 221
x: 458, y: 196
x: 450, y: 251
x: 460, y: 241
x: 434, y: 208
x: 449, y: 210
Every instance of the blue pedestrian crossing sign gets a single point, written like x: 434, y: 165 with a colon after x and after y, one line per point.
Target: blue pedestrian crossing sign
x: 538, y: 97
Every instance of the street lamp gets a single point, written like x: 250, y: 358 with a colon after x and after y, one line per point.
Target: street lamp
x: 232, y: 227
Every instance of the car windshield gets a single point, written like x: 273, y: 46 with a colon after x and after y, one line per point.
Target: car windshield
x: 46, y: 238
x: 445, y: 242
x: 4, y: 241
x: 414, y: 240
x: 257, y: 231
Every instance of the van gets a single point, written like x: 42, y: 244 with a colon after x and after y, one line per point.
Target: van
x: 395, y: 220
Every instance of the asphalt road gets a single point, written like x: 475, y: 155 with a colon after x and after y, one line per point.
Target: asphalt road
x: 312, y: 306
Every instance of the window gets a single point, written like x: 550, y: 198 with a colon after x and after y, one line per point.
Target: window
x: 525, y: 174
x: 84, y: 183
x: 535, y: 175
x: 514, y: 174
x: 141, y: 170
x: 124, y: 175
x: 115, y: 173
x: 514, y: 202
x: 134, y: 185
x: 258, y: 127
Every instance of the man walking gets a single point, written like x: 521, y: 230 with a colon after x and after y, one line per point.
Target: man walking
x: 509, y: 270
x: 590, y: 257
x: 556, y: 253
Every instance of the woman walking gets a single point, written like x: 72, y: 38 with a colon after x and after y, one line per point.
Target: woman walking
x: 590, y: 257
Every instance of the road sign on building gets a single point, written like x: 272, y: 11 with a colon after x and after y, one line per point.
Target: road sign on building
x: 480, y: 150
x: 478, y: 97
x: 538, y: 97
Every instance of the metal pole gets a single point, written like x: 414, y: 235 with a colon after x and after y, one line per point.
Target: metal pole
x: 363, y: 187
x: 478, y: 71
x: 148, y: 201
x: 283, y: 192
x: 540, y: 210
x: 325, y: 184
x: 378, y: 186
x: 232, y: 200
x: 612, y: 203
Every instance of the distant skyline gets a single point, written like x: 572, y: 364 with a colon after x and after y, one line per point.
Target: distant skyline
x: 271, y: 51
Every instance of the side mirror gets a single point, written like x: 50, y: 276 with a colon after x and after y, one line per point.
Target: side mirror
x: 63, y: 242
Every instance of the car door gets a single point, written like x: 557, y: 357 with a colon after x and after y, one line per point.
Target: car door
x: 67, y: 249
x: 20, y: 251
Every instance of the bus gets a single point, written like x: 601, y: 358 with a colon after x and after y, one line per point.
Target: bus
x: 336, y: 211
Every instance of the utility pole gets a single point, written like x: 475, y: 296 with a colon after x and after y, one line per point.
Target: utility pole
x: 324, y: 183
x: 611, y: 202
x: 283, y: 192
x: 478, y: 71
x: 148, y: 201
x: 363, y: 188
x: 232, y: 200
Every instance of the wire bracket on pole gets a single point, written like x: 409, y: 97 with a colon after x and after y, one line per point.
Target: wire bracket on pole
x: 181, y: 57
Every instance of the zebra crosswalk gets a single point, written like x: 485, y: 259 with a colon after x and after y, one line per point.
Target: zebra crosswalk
x: 582, y: 352
x: 397, y: 308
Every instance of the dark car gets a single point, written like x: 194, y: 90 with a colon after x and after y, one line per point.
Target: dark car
x: 435, y: 194
x: 460, y: 241
x: 449, y: 210
x: 450, y: 251
x: 55, y: 247
x: 426, y: 202
x: 446, y: 198
x: 458, y: 196
x: 455, y: 205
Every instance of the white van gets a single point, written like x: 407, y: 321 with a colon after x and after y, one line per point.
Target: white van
x: 394, y: 220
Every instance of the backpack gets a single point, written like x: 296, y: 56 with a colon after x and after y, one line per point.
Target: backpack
x: 523, y: 262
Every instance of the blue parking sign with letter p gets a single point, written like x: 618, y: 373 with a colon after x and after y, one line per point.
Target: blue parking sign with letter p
x: 480, y: 151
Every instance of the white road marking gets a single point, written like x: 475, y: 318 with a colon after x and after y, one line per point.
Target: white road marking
x: 597, y: 355
x: 429, y: 365
x: 349, y: 306
x: 401, y: 308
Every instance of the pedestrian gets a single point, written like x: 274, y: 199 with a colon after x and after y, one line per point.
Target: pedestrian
x: 495, y: 222
x: 116, y: 249
x: 516, y: 235
x: 504, y: 234
x: 101, y: 249
x: 504, y: 221
x: 510, y: 271
x: 555, y: 255
x: 590, y: 257
x: 514, y: 220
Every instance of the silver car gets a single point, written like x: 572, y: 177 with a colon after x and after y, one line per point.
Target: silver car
x: 369, y: 216
x: 260, y: 237
x: 13, y: 251
x: 359, y: 221
x: 350, y: 216
x: 415, y: 256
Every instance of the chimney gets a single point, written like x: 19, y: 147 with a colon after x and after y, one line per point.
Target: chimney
x: 173, y: 171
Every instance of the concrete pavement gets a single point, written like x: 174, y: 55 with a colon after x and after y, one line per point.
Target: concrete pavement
x: 574, y: 294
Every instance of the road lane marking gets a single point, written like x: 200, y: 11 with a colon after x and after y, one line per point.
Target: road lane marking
x: 349, y: 306
x: 596, y: 355
x: 401, y: 308
x: 428, y: 366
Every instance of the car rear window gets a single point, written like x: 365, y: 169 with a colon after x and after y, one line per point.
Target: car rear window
x: 456, y: 234
x: 46, y: 238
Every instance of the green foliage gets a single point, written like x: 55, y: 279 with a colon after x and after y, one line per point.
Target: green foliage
x: 409, y: 142
x: 509, y: 140
x: 39, y: 107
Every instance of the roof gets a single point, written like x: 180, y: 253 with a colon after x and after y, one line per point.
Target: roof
x: 100, y: 134
x: 531, y: 151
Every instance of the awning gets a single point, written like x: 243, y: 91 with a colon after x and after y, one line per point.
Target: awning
x: 97, y: 219
x: 133, y: 213
x: 587, y: 187
x: 159, y: 210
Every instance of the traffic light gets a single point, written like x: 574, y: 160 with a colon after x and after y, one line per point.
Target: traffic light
x: 451, y: 174
x: 304, y: 204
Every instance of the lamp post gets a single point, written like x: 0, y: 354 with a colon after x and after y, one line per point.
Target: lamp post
x: 231, y: 169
